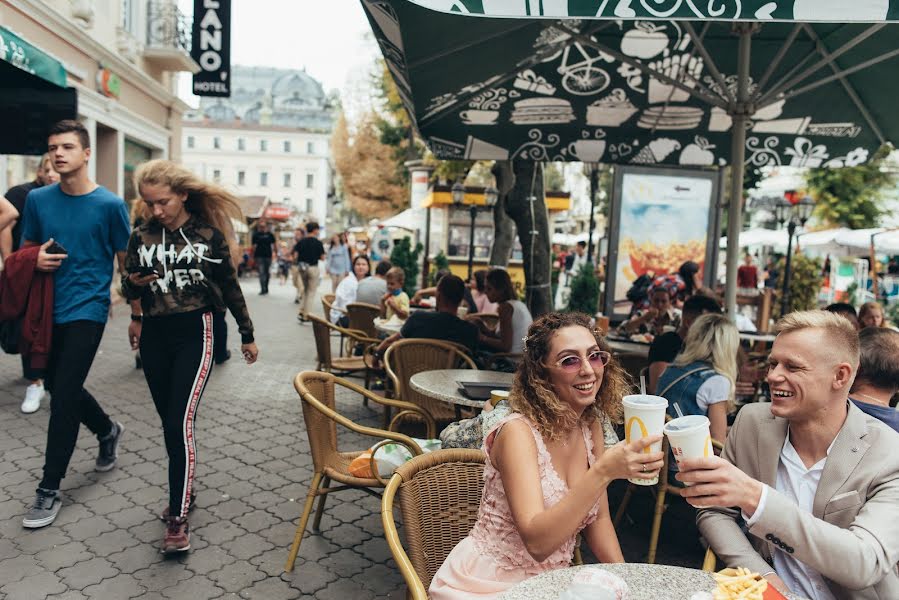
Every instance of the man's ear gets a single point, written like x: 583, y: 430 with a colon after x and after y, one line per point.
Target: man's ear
x: 843, y: 376
x: 87, y: 153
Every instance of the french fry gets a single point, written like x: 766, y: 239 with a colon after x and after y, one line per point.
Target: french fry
x: 739, y: 584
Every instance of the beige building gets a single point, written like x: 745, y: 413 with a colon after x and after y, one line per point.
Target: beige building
x: 122, y: 57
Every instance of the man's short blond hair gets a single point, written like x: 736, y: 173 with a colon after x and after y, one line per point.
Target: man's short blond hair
x: 839, y: 331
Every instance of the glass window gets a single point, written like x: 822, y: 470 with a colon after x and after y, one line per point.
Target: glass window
x: 308, y: 205
x: 241, y: 178
x: 241, y: 144
x: 263, y: 145
x: 310, y: 147
x: 310, y: 180
x: 263, y: 179
x: 459, y: 232
x: 286, y: 200
x: 190, y: 141
x: 216, y: 175
x: 286, y: 145
x: 286, y: 179
x: 216, y: 142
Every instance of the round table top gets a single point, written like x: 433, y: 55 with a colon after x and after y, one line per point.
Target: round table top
x: 388, y: 326
x: 645, y: 582
x: 443, y: 385
x: 754, y: 336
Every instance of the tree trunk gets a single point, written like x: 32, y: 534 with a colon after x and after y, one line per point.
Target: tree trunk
x: 503, y: 225
x: 526, y: 205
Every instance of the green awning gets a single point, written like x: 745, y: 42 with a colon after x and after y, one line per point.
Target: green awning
x: 19, y: 53
x: 846, y: 11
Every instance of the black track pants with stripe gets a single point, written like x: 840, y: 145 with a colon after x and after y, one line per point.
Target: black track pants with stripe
x: 177, y: 354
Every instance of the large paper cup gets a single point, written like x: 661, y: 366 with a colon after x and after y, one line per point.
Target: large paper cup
x: 689, y: 437
x: 497, y: 396
x: 644, y: 415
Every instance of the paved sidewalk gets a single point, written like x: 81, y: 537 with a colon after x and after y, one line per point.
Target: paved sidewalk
x: 253, y: 474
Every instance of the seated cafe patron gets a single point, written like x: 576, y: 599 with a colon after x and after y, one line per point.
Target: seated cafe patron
x: 806, y: 491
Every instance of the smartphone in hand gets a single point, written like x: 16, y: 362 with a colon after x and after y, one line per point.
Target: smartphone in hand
x: 56, y: 248
x: 144, y: 271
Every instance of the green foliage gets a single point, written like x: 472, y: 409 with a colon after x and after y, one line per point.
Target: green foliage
x: 851, y: 196
x: 852, y: 294
x: 805, y: 283
x: 603, y: 186
x: 584, y: 291
x: 440, y: 263
x: 404, y: 257
x: 553, y: 177
x: 892, y: 313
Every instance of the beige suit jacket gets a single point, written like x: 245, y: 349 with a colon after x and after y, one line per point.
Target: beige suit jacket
x: 852, y: 535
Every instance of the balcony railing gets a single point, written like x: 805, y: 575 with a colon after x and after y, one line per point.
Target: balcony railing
x: 168, y: 36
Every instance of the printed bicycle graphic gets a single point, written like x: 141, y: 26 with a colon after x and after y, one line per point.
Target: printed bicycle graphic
x: 583, y: 78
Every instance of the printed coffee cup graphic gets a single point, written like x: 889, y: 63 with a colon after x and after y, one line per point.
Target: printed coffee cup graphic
x: 479, y: 117
x: 588, y: 151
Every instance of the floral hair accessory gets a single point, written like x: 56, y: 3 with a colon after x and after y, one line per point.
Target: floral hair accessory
x: 524, y: 340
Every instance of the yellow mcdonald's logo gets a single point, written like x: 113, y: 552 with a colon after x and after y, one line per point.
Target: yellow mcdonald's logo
x: 707, y: 451
x: 643, y: 432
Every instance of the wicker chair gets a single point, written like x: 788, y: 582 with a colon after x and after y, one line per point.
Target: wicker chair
x: 317, y: 391
x: 407, y: 357
x: 490, y: 320
x: 439, y: 494
x: 662, y: 490
x: 362, y: 317
x: 343, y: 365
x: 327, y: 307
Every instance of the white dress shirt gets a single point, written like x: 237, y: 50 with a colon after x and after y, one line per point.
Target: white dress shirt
x: 798, y: 484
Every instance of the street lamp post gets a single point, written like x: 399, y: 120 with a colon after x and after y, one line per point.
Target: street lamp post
x: 795, y: 214
x: 490, y: 196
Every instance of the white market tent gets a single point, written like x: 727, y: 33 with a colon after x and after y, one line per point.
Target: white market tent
x: 886, y: 241
x: 774, y: 238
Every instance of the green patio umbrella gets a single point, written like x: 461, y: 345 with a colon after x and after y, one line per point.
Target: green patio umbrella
x: 697, y: 83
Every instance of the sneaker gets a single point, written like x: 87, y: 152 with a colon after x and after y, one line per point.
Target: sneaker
x: 109, y: 447
x: 33, y: 396
x: 190, y: 506
x: 44, y: 510
x: 177, y: 536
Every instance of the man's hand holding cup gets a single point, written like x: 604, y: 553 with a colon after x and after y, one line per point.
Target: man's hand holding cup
x: 714, y: 481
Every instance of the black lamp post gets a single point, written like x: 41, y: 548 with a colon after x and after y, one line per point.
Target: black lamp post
x: 490, y: 196
x: 794, y: 214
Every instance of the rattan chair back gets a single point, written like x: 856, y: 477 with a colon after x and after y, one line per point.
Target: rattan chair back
x: 362, y: 317
x: 317, y: 391
x: 322, y: 334
x: 438, y: 495
x: 407, y: 357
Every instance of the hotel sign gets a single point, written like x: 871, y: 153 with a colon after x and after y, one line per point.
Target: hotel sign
x: 211, y: 47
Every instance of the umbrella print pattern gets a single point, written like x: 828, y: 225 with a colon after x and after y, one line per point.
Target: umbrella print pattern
x: 636, y: 91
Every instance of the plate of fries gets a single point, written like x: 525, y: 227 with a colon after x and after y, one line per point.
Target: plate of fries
x: 741, y: 584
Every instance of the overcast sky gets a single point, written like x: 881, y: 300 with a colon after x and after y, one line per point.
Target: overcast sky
x: 327, y: 38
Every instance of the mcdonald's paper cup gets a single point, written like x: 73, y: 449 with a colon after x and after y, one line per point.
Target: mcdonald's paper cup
x: 496, y: 396
x: 689, y: 437
x: 644, y: 415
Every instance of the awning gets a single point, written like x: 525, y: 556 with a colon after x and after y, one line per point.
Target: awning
x: 33, y: 95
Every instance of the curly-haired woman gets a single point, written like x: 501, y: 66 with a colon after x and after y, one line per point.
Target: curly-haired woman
x: 546, y: 472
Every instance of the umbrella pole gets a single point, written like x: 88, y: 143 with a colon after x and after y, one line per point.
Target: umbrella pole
x: 740, y: 115
x: 594, y: 177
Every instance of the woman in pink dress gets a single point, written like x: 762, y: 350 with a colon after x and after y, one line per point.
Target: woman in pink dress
x: 545, y: 479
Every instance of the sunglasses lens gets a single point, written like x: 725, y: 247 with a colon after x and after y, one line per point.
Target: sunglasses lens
x: 598, y: 358
x: 570, y: 363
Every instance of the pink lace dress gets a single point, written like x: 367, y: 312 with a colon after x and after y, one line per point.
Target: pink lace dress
x: 493, y: 558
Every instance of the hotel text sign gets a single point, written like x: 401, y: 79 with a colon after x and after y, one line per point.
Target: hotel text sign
x: 211, y: 47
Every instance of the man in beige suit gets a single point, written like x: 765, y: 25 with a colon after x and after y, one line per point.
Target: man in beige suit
x: 814, y: 479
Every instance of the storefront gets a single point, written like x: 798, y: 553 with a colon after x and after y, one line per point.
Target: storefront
x: 450, y: 230
x: 125, y: 93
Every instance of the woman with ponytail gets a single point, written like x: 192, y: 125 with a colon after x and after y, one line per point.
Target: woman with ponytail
x: 179, y: 265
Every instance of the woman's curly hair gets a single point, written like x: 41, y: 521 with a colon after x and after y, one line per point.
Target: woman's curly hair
x: 532, y: 394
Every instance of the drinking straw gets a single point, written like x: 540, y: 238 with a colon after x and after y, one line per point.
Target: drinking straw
x: 642, y: 385
x: 677, y: 409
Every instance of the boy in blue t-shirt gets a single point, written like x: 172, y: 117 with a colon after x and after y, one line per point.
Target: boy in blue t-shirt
x: 91, y: 225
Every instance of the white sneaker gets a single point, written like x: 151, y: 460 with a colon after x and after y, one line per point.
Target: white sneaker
x: 33, y: 396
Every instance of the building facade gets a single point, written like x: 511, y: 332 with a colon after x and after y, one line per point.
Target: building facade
x: 271, y: 138
x: 122, y: 57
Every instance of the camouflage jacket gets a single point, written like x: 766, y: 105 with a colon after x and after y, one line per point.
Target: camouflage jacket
x: 195, y: 272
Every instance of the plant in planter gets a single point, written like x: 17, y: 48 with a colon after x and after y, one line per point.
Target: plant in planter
x: 805, y: 283
x: 584, y: 291
x: 441, y: 263
x: 404, y: 257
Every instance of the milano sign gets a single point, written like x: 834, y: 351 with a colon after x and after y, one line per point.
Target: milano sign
x: 211, y: 47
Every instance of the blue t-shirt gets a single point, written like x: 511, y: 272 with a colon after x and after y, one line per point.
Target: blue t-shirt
x: 890, y: 416
x: 92, y: 228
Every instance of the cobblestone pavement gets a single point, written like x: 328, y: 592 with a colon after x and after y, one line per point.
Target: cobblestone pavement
x: 253, y: 473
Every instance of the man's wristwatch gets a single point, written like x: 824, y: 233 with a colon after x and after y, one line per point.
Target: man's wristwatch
x: 137, y: 318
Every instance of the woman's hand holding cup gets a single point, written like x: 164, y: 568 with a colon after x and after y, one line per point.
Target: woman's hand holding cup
x: 630, y: 461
